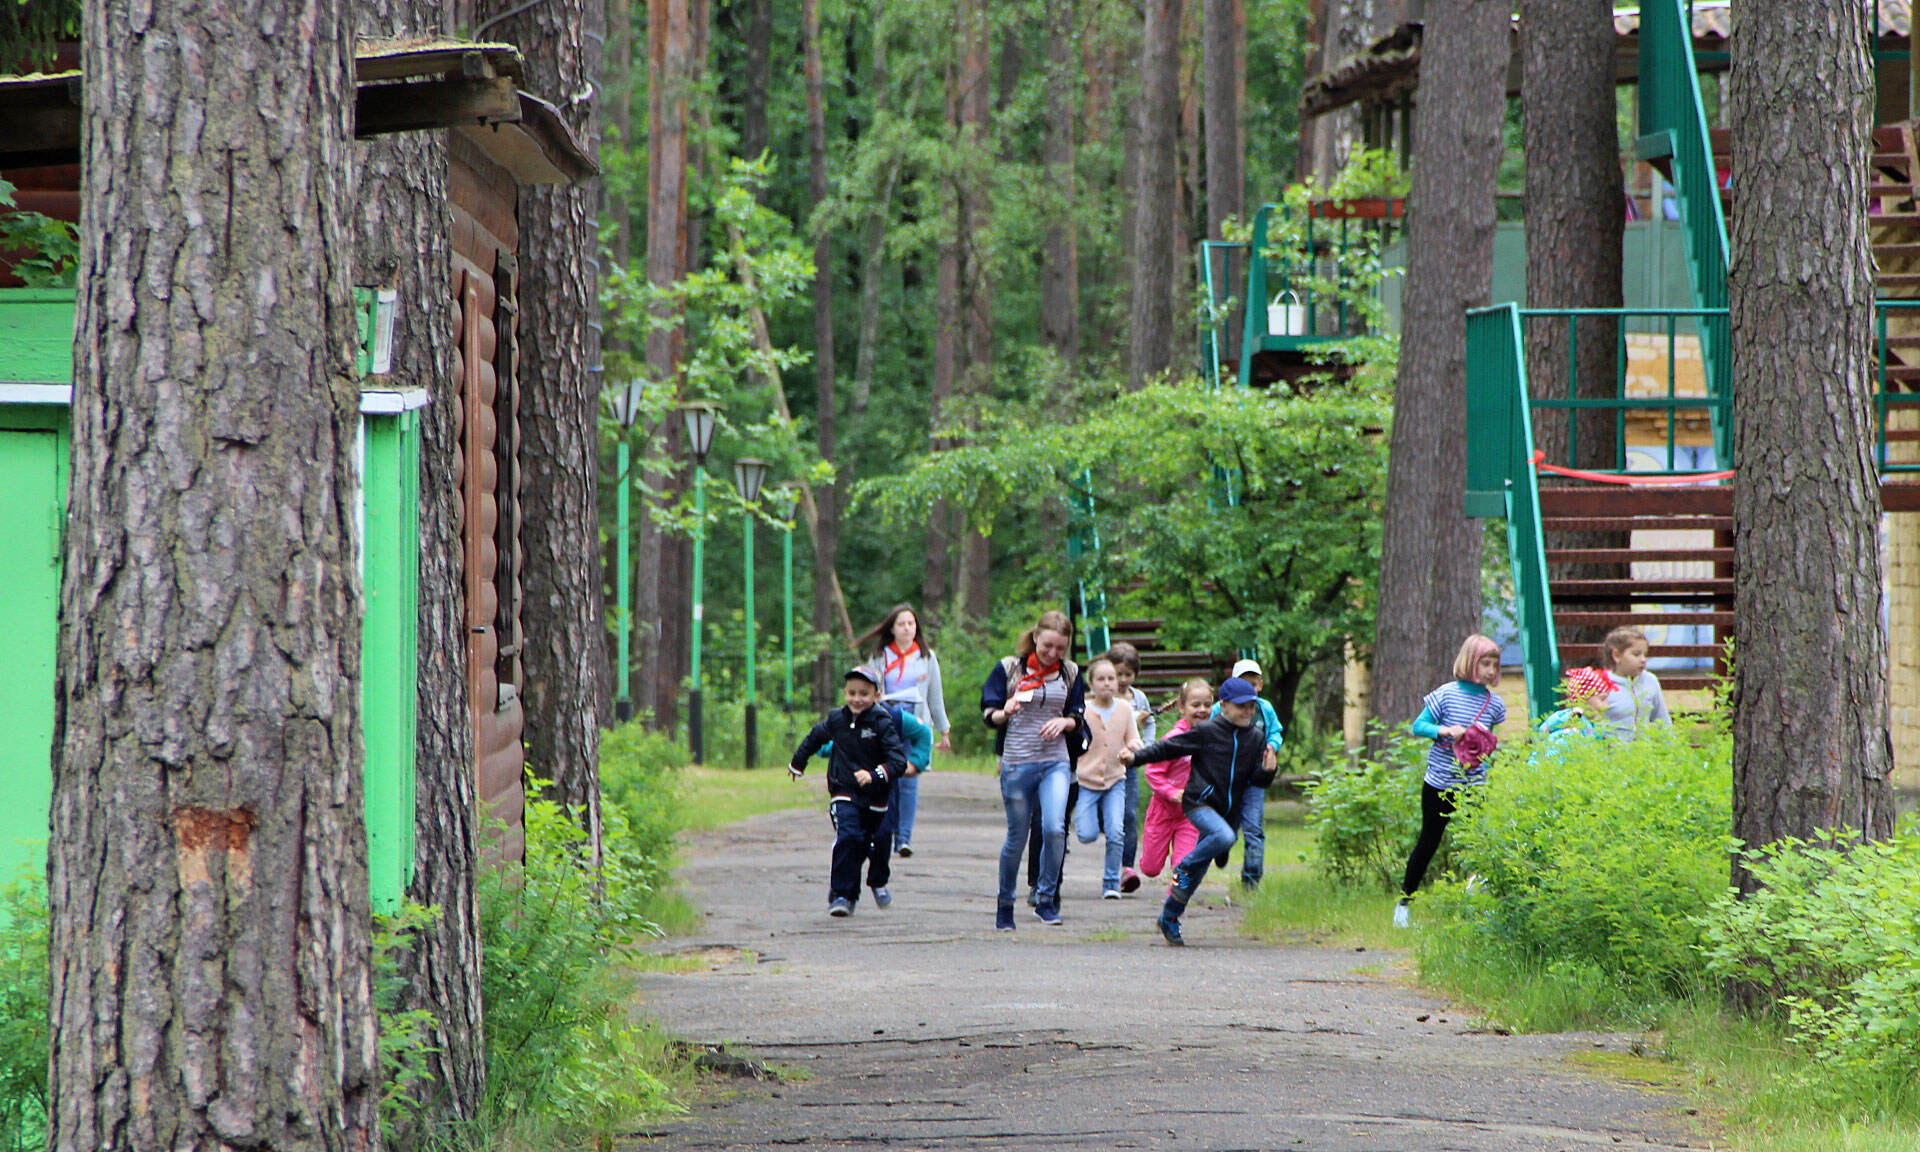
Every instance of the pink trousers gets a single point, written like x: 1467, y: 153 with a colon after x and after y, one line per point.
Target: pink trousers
x: 1167, y: 837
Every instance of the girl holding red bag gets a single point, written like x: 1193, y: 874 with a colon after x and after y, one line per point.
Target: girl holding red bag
x: 1459, y: 718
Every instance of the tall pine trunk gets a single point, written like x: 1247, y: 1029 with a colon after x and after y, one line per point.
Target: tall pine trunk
x: 1060, y: 270
x: 975, y: 218
x: 1430, y: 552
x: 211, y: 983
x: 1157, y: 196
x: 826, y: 527
x: 566, y: 677
x: 1576, y: 215
x: 1810, y: 747
x: 402, y: 239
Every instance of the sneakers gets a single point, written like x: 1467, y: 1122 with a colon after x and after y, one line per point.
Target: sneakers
x: 1129, y: 880
x: 1003, y: 918
x: 1033, y: 897
x: 905, y: 851
x: 1049, y: 914
x: 1400, y: 919
x: 1110, y: 894
x: 840, y: 906
x: 882, y: 897
x: 1220, y: 861
x: 1171, y: 930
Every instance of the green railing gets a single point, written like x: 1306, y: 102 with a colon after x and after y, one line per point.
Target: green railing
x: 1083, y: 553
x: 1673, y: 126
x: 1222, y: 265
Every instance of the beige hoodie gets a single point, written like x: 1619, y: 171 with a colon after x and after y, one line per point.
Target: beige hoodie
x: 1100, y: 767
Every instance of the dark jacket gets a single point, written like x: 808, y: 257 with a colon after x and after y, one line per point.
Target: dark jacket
x: 1226, y: 759
x: 868, y: 740
x: 993, y: 697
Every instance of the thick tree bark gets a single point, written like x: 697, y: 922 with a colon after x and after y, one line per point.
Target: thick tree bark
x: 211, y: 985
x: 826, y: 524
x: 566, y: 686
x: 1430, y: 554
x: 402, y: 239
x: 1223, y: 23
x: 668, y: 45
x: 1575, y: 219
x: 1810, y: 746
x: 1060, y: 272
x: 1157, y: 206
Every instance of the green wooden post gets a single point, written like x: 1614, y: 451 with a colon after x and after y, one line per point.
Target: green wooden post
x: 390, y: 636
x: 622, y: 627
x: 32, y: 466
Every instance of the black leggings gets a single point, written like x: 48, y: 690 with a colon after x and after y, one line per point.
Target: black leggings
x: 1436, y: 809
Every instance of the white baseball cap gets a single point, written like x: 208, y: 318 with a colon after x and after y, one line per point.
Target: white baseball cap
x: 1246, y: 666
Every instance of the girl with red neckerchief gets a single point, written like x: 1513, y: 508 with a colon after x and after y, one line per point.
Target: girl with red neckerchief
x: 900, y: 653
x: 1036, y: 701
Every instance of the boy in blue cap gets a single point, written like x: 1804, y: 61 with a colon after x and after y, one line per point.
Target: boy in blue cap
x: 1227, y: 750
x: 867, y: 758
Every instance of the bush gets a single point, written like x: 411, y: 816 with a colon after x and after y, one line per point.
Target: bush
x: 23, y: 1015
x: 559, y: 1042
x: 640, y: 774
x: 1593, y: 857
x: 1834, y: 935
x: 1365, y: 814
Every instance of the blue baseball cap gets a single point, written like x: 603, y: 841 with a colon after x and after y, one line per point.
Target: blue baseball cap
x: 1237, y: 691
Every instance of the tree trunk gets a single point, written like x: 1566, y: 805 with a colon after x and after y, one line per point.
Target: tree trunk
x: 207, y: 871
x: 402, y: 239
x: 1157, y: 206
x: 873, y: 249
x: 1222, y: 26
x: 1575, y: 218
x: 668, y: 46
x: 975, y: 217
x: 826, y: 525
x: 1060, y: 270
x: 753, y: 101
x: 1345, y: 29
x: 936, y: 570
x: 566, y: 677
x: 1810, y: 747
x: 1430, y: 553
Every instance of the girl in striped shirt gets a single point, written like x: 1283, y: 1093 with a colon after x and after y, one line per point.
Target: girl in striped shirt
x: 1466, y: 703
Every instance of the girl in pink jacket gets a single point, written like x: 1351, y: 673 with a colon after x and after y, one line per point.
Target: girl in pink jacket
x: 1168, y: 834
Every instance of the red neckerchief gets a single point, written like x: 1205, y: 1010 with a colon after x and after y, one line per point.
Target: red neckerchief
x: 889, y: 667
x: 1036, y: 676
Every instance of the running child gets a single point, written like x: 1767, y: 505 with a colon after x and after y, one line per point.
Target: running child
x: 1126, y: 664
x: 1250, y: 807
x: 1459, y: 718
x: 1633, y: 696
x: 1111, y: 729
x: 867, y: 758
x: 1226, y: 751
x: 917, y: 737
x: 1168, y: 835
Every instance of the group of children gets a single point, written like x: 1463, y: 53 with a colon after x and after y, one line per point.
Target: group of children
x: 1207, y: 777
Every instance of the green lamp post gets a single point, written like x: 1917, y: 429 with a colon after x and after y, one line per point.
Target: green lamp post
x: 699, y: 426
x: 748, y: 475
x: 625, y: 404
x: 788, y: 495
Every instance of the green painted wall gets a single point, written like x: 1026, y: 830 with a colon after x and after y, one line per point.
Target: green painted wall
x: 31, y: 467
x: 390, y: 558
x: 36, y: 337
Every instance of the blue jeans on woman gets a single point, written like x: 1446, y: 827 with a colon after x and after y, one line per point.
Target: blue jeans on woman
x: 1099, y: 812
x: 1026, y: 788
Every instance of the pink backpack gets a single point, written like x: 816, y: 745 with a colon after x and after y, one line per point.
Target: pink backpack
x: 1476, y: 743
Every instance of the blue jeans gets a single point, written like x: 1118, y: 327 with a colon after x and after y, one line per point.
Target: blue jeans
x: 1131, y: 855
x: 1026, y: 788
x: 1252, y: 818
x: 1103, y: 811
x: 859, y: 837
x: 906, y: 801
x: 1216, y: 836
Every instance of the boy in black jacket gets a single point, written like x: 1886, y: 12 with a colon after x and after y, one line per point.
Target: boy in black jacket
x: 868, y: 757
x: 1228, y: 751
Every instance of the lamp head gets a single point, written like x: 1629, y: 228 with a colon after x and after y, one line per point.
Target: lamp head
x: 700, y: 420
x: 748, y: 475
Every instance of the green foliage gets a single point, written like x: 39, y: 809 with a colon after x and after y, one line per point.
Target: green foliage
x: 1593, y: 858
x: 46, y: 251
x: 29, y: 30
x: 1834, y: 935
x: 1365, y: 815
x: 1370, y: 172
x: 559, y: 1041
x: 23, y: 1015
x: 405, y: 1035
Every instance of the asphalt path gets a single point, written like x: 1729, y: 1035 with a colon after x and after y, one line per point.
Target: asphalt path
x: 920, y: 1027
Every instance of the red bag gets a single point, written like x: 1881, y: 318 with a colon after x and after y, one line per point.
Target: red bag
x: 1476, y: 743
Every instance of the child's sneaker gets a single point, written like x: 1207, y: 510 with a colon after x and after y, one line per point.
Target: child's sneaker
x: 882, y: 897
x: 1400, y: 919
x: 1049, y: 914
x: 840, y: 906
x: 1171, y: 930
x: 1129, y: 880
x: 905, y: 851
x: 1110, y: 894
x: 1003, y: 918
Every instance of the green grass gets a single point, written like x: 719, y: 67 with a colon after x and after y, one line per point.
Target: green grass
x: 1297, y: 905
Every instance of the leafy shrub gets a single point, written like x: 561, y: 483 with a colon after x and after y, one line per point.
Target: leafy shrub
x: 559, y: 1043
x: 1595, y: 854
x: 1365, y: 814
x: 1834, y: 934
x: 23, y: 1015
x: 640, y: 774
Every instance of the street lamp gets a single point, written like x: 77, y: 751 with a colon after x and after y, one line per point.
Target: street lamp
x: 748, y: 475
x: 699, y: 424
x: 788, y: 495
x: 625, y: 404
